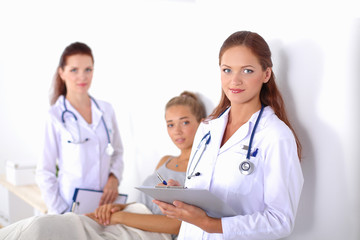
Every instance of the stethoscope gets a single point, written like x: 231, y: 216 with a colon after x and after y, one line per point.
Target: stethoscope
x: 246, y: 167
x: 109, y: 149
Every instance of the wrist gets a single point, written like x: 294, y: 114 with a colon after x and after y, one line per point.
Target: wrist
x: 113, y: 177
x: 117, y: 217
x: 211, y: 225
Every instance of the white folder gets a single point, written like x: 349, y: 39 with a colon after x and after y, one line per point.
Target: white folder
x: 202, y: 198
x: 87, y: 200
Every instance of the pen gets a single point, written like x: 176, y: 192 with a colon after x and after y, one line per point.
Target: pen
x: 161, y: 179
x: 255, y: 152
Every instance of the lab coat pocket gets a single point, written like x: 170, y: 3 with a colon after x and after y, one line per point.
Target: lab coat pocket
x: 243, y: 184
x: 70, y: 152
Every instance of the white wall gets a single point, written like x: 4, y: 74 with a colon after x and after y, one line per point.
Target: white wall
x: 149, y: 51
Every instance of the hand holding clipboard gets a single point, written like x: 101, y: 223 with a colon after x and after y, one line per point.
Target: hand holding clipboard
x: 202, y: 198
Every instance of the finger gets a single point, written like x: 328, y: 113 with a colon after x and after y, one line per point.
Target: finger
x: 107, y: 196
x: 179, y: 204
x: 108, y: 215
x: 172, y: 182
x: 102, y: 199
x: 167, y: 209
x: 113, y: 197
x: 115, y: 209
x: 102, y: 213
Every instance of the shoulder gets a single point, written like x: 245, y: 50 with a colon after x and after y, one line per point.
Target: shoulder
x: 104, y: 106
x: 163, y: 160
x: 273, y: 126
x: 275, y: 137
x: 276, y: 141
x: 56, y: 110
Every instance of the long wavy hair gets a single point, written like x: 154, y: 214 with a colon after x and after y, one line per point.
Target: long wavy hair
x: 58, y: 86
x: 269, y: 93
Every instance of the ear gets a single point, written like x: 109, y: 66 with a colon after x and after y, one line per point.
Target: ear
x: 61, y: 73
x: 267, y: 74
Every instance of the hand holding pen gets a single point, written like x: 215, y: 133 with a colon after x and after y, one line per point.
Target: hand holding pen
x: 162, y: 180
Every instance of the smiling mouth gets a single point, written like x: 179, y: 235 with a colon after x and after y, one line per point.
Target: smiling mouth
x: 233, y: 90
x: 180, y: 140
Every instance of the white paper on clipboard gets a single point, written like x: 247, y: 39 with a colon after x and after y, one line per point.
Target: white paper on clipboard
x: 202, y: 198
x: 87, y: 200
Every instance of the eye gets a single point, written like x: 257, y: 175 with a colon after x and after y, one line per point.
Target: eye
x: 73, y: 70
x: 186, y: 122
x: 248, y: 71
x: 88, y: 69
x: 170, y: 125
x: 226, y: 70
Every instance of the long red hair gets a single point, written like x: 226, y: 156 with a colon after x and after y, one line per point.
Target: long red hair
x: 59, y: 87
x: 269, y: 93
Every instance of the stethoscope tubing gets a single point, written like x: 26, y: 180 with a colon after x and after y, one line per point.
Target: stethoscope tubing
x: 76, y: 119
x: 253, y: 132
x: 245, y: 172
x: 202, y: 152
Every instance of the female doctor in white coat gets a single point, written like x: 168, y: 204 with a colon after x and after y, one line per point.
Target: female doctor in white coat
x: 248, y: 156
x: 81, y: 136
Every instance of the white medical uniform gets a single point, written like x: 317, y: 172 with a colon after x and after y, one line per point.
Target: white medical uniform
x: 265, y: 201
x: 82, y: 165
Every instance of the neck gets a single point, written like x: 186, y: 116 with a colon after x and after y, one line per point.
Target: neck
x: 184, y: 155
x: 240, y: 114
x: 79, y: 101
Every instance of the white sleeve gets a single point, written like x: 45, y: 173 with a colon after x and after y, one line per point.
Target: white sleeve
x: 117, y: 162
x: 283, y: 181
x: 46, y: 171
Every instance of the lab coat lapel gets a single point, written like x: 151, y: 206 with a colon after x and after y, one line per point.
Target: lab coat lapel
x: 96, y: 115
x: 243, y: 132
x: 236, y: 138
x: 216, y: 127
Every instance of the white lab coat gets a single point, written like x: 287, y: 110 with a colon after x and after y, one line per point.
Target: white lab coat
x: 265, y: 201
x: 84, y: 165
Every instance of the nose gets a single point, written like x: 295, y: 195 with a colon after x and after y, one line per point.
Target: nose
x: 237, y: 79
x: 178, y: 129
x: 83, y: 76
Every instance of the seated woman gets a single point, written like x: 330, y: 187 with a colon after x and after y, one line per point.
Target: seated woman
x: 142, y: 220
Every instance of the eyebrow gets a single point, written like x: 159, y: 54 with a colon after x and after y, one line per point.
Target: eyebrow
x: 224, y: 65
x: 179, y: 119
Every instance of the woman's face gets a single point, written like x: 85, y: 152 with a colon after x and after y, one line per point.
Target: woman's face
x: 77, y: 73
x: 242, y: 75
x: 181, y: 126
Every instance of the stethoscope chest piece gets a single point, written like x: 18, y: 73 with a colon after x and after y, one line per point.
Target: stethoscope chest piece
x: 246, y: 167
x: 109, y: 150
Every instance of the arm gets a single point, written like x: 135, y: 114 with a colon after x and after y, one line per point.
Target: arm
x: 46, y: 170
x: 111, y: 214
x: 190, y: 214
x: 110, y: 190
x: 282, y: 187
x: 147, y: 222
x: 117, y: 162
x: 117, y: 166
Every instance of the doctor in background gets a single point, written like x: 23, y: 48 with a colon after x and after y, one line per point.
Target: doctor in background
x: 248, y: 153
x: 82, y: 147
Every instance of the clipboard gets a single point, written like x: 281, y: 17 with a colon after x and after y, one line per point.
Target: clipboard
x: 202, y: 198
x: 87, y: 200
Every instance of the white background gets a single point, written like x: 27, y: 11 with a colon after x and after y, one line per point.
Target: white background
x: 149, y: 51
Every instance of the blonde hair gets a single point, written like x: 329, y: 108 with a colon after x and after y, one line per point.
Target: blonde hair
x: 189, y: 99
